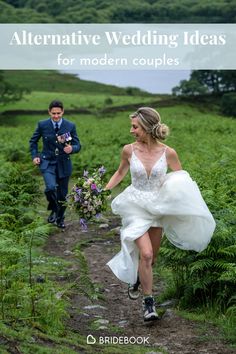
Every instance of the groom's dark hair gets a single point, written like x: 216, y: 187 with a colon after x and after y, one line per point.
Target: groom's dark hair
x: 56, y: 104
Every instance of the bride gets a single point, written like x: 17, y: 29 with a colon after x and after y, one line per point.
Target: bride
x: 156, y: 202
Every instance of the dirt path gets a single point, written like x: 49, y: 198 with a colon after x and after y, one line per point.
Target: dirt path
x: 112, y: 314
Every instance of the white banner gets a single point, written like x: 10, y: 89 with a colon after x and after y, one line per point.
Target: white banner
x: 118, y: 46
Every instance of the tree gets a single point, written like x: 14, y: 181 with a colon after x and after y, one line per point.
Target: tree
x: 9, y: 92
x: 215, y: 82
x: 189, y: 88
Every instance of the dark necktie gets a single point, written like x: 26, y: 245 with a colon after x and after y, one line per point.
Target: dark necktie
x: 56, y: 127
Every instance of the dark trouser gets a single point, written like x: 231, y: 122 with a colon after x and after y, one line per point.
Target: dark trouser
x: 56, y: 190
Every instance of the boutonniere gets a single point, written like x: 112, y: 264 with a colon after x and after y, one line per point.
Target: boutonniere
x: 64, y: 138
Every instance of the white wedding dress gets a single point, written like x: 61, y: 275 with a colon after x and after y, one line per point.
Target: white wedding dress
x: 168, y: 200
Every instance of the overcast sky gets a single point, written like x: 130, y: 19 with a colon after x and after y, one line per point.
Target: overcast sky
x: 154, y: 81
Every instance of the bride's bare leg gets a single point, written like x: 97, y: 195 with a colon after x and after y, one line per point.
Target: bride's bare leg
x: 145, y: 264
x: 155, y: 234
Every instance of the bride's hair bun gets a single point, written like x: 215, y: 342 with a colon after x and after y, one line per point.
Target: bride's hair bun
x: 150, y: 120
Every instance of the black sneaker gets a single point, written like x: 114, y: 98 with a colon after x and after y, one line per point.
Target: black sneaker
x: 133, y: 290
x: 52, y: 217
x: 149, y: 310
x: 61, y: 225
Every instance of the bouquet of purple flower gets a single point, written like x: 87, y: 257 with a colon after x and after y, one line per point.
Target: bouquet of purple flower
x: 87, y: 197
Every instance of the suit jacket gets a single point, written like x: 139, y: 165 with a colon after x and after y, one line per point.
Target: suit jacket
x: 52, y: 151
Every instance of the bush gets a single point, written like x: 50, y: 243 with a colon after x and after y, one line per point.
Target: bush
x: 108, y: 101
x: 228, y: 104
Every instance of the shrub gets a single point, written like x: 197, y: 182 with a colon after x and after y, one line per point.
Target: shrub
x: 228, y: 104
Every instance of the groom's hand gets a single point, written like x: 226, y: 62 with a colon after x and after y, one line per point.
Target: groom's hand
x: 68, y: 149
x: 36, y: 161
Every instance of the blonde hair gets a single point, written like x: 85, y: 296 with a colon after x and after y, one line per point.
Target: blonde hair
x: 150, y: 121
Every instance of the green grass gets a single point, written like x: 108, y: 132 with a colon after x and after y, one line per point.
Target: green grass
x: 39, y: 100
x: 201, y: 139
x: 206, y: 316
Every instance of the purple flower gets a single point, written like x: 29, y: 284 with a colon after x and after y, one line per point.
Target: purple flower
x: 101, y: 170
x: 98, y: 215
x: 83, y: 224
x: 86, y: 173
x: 76, y: 198
x: 78, y: 190
x: 93, y: 187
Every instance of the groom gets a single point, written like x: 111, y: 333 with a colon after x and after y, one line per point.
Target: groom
x: 60, y: 140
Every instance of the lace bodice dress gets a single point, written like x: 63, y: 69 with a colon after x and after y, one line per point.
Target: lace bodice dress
x: 140, y: 178
x: 159, y: 199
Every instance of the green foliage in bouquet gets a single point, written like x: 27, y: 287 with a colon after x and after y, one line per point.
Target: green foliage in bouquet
x: 88, y: 197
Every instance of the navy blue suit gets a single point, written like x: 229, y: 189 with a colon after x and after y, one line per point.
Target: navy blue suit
x: 55, y: 164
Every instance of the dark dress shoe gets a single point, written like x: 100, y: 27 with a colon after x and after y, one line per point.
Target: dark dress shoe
x: 61, y: 225
x: 52, y: 217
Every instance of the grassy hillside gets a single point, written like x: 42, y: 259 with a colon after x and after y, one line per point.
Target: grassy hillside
x: 38, y: 101
x: 54, y: 81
